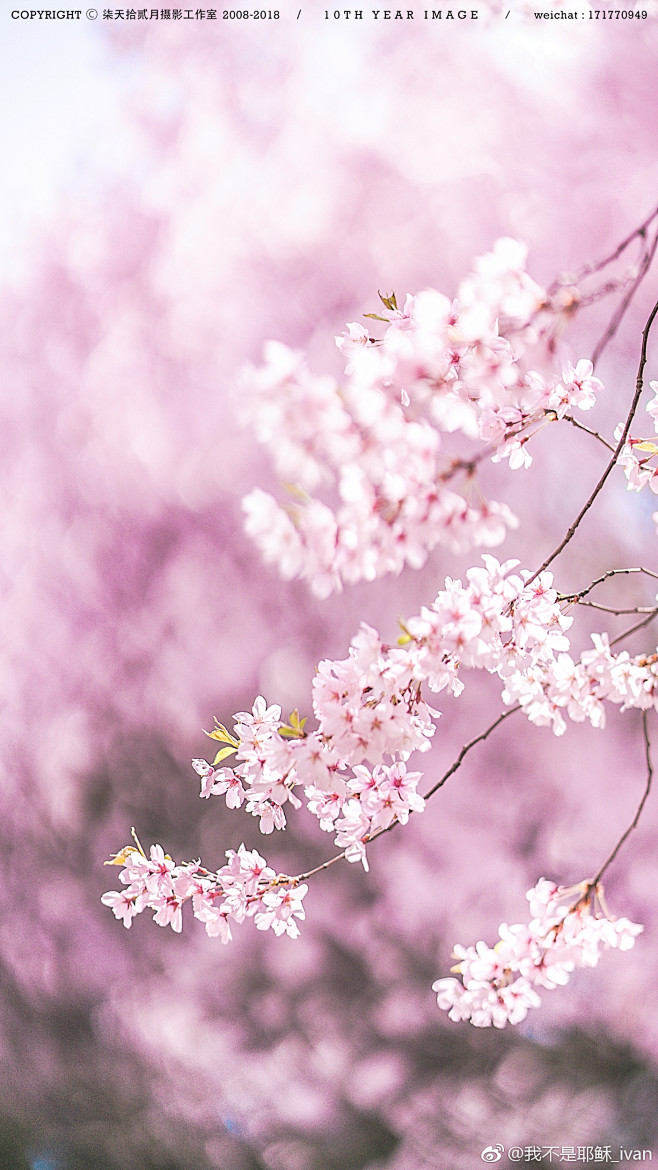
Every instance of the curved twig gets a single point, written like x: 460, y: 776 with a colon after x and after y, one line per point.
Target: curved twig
x: 639, y: 384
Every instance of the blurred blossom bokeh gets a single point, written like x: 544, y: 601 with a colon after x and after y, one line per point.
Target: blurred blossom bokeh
x: 178, y: 192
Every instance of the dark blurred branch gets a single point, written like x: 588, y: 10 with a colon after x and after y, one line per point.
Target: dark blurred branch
x: 639, y: 233
x: 645, y: 260
x: 618, y: 315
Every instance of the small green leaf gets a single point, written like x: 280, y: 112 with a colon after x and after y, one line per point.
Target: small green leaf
x: 122, y: 856
x: 222, y: 754
x: 405, y: 636
x: 389, y: 302
x: 219, y: 732
x: 294, y: 729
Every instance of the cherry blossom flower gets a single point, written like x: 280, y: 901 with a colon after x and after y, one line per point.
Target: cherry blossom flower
x: 122, y: 904
x: 280, y: 909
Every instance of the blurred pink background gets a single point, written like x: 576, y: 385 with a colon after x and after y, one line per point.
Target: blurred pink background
x: 176, y: 194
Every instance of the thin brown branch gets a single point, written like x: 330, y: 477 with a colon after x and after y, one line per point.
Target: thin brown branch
x: 620, y: 312
x: 588, y: 431
x: 645, y: 795
x: 578, y: 596
x: 589, y: 269
x: 652, y: 610
x: 639, y: 384
x: 633, y: 630
x: 467, y: 747
x: 302, y: 877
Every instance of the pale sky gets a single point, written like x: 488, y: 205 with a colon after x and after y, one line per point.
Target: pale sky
x: 59, y: 123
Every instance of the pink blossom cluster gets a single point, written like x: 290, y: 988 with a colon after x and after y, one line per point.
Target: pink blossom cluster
x: 373, y: 801
x: 637, y: 456
x: 244, y: 888
x: 370, y: 712
x: 374, y: 445
x: 580, y: 689
x: 495, y: 622
x: 370, y: 716
x: 372, y: 442
x: 264, y: 775
x: 499, y: 984
x: 498, y: 623
x: 518, y: 631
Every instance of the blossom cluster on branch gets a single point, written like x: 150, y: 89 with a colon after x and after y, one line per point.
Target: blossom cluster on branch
x: 484, y: 365
x: 499, y: 984
x: 372, y: 443
x: 245, y: 888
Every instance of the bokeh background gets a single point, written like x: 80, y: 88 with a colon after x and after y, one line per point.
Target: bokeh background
x: 174, y: 194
